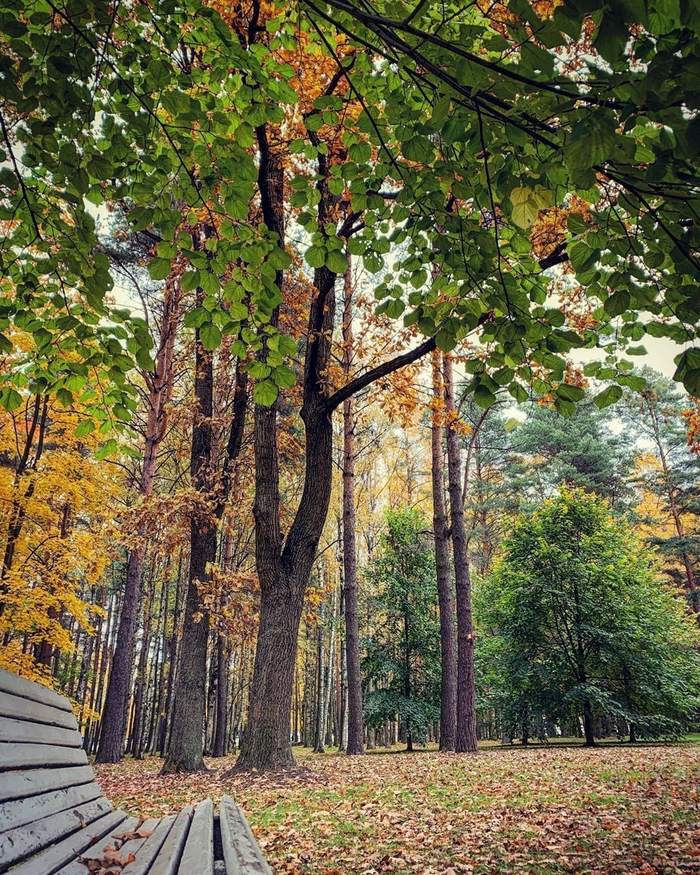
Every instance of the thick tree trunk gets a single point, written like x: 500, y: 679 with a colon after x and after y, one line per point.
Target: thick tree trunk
x: 355, y: 738
x: 466, y: 738
x: 266, y: 743
x: 446, y: 602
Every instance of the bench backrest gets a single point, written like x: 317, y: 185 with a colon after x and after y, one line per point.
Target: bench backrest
x: 47, y: 788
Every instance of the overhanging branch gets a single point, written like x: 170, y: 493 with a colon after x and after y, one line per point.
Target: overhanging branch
x: 383, y: 370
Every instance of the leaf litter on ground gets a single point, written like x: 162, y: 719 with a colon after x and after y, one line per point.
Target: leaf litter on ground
x: 543, y: 810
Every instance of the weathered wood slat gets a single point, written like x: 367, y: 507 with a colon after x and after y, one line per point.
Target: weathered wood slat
x: 38, y: 733
x: 198, y: 855
x: 35, y: 712
x: 23, y: 811
x: 166, y: 863
x: 15, y: 844
x: 50, y: 860
x: 132, y: 846
x: 17, y: 785
x: 242, y: 853
x: 97, y: 850
x: 35, y: 756
x: 11, y: 683
x: 149, y: 850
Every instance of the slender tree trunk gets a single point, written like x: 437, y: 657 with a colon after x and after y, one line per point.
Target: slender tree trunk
x: 693, y: 593
x: 588, y: 731
x: 186, y: 750
x: 466, y: 738
x: 160, y: 383
x: 319, y: 729
x: 221, y: 696
x: 355, y: 742
x: 446, y: 602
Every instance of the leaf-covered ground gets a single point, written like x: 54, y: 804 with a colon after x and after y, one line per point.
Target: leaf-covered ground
x: 543, y: 810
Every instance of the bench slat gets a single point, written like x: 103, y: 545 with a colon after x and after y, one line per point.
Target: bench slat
x: 50, y: 860
x: 35, y: 712
x: 166, y: 862
x: 38, y: 733
x: 132, y: 846
x: 198, y: 855
x: 12, y: 683
x: 149, y: 850
x: 97, y: 849
x: 35, y: 756
x: 242, y: 853
x: 17, y: 785
x: 23, y: 811
x: 15, y: 844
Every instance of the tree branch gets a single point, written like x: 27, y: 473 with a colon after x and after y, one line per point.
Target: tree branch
x: 383, y: 370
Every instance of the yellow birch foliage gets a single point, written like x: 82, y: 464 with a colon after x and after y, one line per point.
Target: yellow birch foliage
x: 67, y: 506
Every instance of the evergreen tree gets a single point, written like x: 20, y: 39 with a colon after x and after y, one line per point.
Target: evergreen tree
x: 578, y: 450
x: 402, y: 665
x: 575, y: 623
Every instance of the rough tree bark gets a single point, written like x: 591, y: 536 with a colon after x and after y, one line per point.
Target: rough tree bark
x: 466, y: 737
x: 186, y: 748
x: 186, y: 751
x: 284, y: 565
x: 446, y: 602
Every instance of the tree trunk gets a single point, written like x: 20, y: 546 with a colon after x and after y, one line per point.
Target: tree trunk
x: 185, y: 752
x: 466, y: 737
x: 588, y: 732
x: 221, y: 696
x: 266, y: 743
x: 160, y: 385
x: 446, y: 602
x: 693, y: 593
x: 355, y: 739
x: 320, y: 691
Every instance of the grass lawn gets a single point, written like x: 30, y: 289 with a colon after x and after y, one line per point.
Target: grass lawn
x: 544, y: 810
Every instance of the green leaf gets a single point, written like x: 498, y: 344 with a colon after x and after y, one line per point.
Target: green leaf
x: 336, y: 261
x: 84, y: 428
x: 284, y: 377
x: 10, y: 398
x: 617, y: 303
x: 210, y: 336
x: 109, y: 448
x: 608, y: 396
x: 265, y: 393
x: 569, y: 392
x: 315, y: 256
x: 159, y: 268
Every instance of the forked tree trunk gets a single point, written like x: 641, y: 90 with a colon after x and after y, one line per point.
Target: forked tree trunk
x: 284, y: 565
x: 446, y: 602
x: 466, y: 737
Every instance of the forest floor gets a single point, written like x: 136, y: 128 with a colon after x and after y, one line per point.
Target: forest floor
x: 542, y: 810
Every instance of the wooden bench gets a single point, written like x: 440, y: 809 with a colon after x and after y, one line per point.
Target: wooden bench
x: 53, y: 816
